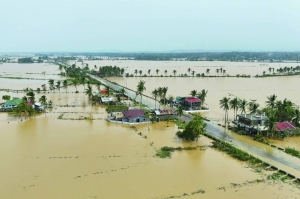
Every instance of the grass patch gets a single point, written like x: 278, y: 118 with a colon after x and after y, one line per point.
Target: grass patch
x: 292, y: 151
x: 276, y: 176
x: 116, y: 108
x: 163, y: 154
x: 180, y: 124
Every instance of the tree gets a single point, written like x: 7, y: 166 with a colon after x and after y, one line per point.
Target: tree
x: 202, y: 96
x: 189, y: 71
x: 271, y: 101
x: 174, y: 72
x: 155, y: 95
x: 160, y: 94
x: 193, y: 73
x: 157, y: 70
x: 51, y: 84
x: 193, y: 93
x: 147, y: 115
x: 224, y: 104
x: 140, y: 72
x: 217, y: 71
x: 75, y: 83
x: 207, y: 71
x: 165, y: 90
x: 234, y: 104
x: 31, y: 97
x: 149, y: 71
x: 179, y: 111
x: 270, y: 121
x: 135, y: 72
x: 122, y: 92
x: 242, y: 105
x: 65, y: 84
x: 166, y: 72
x: 82, y: 81
x: 6, y: 97
x: 43, y: 101
x: 58, y: 85
x: 89, y: 91
x: 296, y: 117
x: 140, y: 89
x: 252, y: 107
x: 193, y: 130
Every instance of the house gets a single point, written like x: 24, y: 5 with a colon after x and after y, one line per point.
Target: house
x: 190, y: 103
x: 251, y: 122
x: 163, y: 114
x: 134, y: 116
x: 10, y: 104
x: 285, y: 126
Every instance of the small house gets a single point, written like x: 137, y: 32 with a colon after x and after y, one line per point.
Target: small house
x: 285, y: 126
x: 190, y: 103
x: 134, y: 116
x: 163, y: 114
x: 250, y: 122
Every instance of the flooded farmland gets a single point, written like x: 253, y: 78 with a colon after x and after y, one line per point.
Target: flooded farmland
x: 71, y: 157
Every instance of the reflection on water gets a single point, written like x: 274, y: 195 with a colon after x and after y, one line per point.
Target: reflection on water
x: 45, y: 157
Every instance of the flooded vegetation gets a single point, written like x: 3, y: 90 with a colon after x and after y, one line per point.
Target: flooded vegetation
x: 71, y: 151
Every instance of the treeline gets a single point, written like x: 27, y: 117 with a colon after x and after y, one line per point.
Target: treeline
x: 206, y: 56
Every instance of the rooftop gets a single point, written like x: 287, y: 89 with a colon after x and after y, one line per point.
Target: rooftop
x: 133, y: 113
x: 252, y: 116
x: 192, y: 99
x: 281, y: 126
x: 164, y: 112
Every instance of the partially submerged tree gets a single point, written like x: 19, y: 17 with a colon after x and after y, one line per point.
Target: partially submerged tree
x: 193, y: 130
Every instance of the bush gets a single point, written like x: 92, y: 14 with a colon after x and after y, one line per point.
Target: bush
x: 292, y: 151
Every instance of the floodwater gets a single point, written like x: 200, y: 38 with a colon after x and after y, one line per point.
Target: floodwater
x: 47, y: 157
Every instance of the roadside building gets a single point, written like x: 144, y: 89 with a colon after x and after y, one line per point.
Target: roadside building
x: 251, y: 123
x: 190, y: 103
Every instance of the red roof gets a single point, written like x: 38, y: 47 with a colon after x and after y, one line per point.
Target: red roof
x: 133, y: 113
x: 103, y: 91
x: 281, y: 126
x: 192, y: 99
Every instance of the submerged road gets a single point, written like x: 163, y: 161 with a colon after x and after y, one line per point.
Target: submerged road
x: 266, y: 153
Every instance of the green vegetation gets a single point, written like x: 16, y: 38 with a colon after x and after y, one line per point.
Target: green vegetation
x: 25, y: 60
x: 193, y: 130
x: 6, y: 97
x: 232, y: 151
x: 292, y: 151
x: 180, y: 124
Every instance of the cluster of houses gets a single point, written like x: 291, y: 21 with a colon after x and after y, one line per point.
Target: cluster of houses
x: 254, y: 123
x: 10, y: 104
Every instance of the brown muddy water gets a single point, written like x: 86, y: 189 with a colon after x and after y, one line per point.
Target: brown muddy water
x: 47, y: 157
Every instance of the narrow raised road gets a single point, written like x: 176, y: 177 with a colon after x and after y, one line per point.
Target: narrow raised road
x: 266, y: 153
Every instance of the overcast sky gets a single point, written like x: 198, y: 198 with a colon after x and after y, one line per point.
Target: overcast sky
x: 149, y: 25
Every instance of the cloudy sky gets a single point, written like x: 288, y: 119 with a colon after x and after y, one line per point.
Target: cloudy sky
x: 149, y: 25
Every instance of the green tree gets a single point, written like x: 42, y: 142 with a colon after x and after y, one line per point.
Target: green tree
x: 89, y: 91
x: 140, y: 89
x: 164, y: 90
x: 58, y: 85
x: 65, y: 84
x: 242, y: 105
x: 193, y: 130
x: 271, y: 101
x: 43, y: 101
x: 189, y: 71
x: 75, y: 83
x: 6, y: 97
x: 157, y: 70
x: 179, y: 111
x: 234, y: 104
x: 193, y: 93
x: 270, y: 121
x: 31, y: 97
x: 174, y: 72
x: 252, y: 107
x: 51, y: 84
x: 224, y: 104
x: 202, y: 96
x: 155, y: 95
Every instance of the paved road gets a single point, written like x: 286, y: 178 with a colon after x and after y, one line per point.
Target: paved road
x: 275, y: 157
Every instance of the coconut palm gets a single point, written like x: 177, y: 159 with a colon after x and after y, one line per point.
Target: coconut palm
x: 140, y: 89
x: 149, y: 71
x: 207, y: 71
x: 189, y: 71
x: 43, y: 101
x: 89, y: 91
x: 147, y: 115
x: 234, y: 104
x: 242, y: 105
x: 217, y: 71
x: 160, y: 95
x: 58, y: 85
x: 224, y: 104
x: 193, y: 73
x: 179, y: 111
x: 31, y: 97
x: 202, y: 96
x: 166, y: 72
x: 140, y: 72
x: 174, y: 72
x: 296, y: 116
x: 135, y: 72
x: 270, y: 121
x: 65, y: 84
x: 193, y: 93
x: 122, y: 92
x: 165, y: 90
x: 271, y: 101
x: 51, y: 84
x: 82, y: 82
x: 75, y: 83
x: 252, y: 107
x: 155, y: 95
x: 157, y: 70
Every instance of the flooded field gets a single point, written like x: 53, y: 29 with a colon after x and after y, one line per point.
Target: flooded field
x: 72, y: 157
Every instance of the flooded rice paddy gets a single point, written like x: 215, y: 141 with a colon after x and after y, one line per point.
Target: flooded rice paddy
x: 72, y: 157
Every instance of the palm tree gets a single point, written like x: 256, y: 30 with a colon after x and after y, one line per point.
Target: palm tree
x: 189, y: 71
x: 107, y: 88
x: 157, y: 70
x: 242, y: 105
x: 147, y: 115
x: 140, y: 72
x: 193, y: 93
x: 122, y: 92
x: 82, y: 81
x: 174, y: 72
x: 155, y: 95
x: 224, y: 104
x: 224, y: 72
x: 75, y: 83
x: 166, y: 72
x: 51, y: 84
x: 202, y: 96
x: 65, y: 84
x: 271, y: 101
x: 217, y: 71
x: 252, y: 107
x: 296, y: 116
x: 270, y: 121
x: 89, y: 91
x: 149, y: 71
x: 58, y: 85
x: 160, y: 94
x: 165, y: 90
x: 234, y: 105
x: 43, y: 101
x: 140, y: 89
x: 207, y: 71
x: 135, y: 71
x: 31, y: 97
x: 179, y: 111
